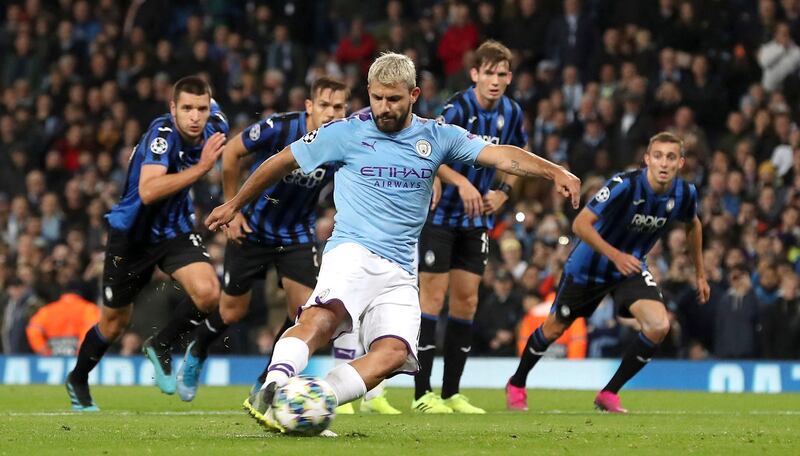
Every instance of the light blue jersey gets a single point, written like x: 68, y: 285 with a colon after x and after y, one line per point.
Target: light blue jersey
x: 382, y: 190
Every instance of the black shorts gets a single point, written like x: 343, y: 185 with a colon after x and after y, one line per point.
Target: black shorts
x: 575, y: 300
x: 129, y: 265
x: 246, y: 262
x: 442, y: 248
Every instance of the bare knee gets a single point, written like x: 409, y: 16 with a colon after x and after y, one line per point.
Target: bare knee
x: 205, y: 295
x: 656, y: 330
x: 113, y: 325
x: 233, y: 308
x: 392, y: 355
x: 464, y: 307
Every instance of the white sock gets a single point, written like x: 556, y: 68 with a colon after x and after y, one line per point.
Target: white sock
x: 347, y: 385
x: 289, y: 358
x: 375, y: 392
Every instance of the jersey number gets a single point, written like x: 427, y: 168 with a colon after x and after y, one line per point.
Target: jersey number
x: 648, y: 279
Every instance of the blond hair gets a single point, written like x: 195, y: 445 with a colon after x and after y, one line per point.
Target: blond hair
x: 391, y: 68
x: 666, y: 137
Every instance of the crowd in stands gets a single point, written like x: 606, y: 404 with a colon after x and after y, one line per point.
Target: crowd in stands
x: 80, y: 80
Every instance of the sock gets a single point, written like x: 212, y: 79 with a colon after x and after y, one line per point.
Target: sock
x: 288, y: 323
x: 346, y: 383
x: 346, y: 348
x: 534, y: 349
x: 635, y: 358
x: 206, y: 333
x: 92, y: 349
x: 375, y: 392
x: 457, y: 344
x: 425, y: 354
x: 289, y: 358
x: 186, y: 318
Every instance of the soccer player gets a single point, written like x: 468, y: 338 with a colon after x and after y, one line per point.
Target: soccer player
x: 454, y: 245
x: 388, y: 159
x: 153, y: 225
x: 616, y: 229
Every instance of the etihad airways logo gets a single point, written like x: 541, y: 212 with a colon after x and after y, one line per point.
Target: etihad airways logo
x: 397, y: 176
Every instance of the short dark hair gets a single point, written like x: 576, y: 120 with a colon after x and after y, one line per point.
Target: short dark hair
x: 328, y: 82
x: 491, y: 52
x: 666, y: 137
x: 191, y: 84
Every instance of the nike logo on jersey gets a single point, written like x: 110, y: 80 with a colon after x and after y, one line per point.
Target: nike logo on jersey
x: 638, y: 202
x: 164, y: 129
x: 472, y: 119
x: 371, y: 146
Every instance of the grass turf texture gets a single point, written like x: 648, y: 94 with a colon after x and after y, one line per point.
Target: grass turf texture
x: 140, y: 420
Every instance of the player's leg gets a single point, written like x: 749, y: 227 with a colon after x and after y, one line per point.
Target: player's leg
x: 468, y: 262
x: 346, y: 348
x: 638, y: 297
x: 458, y: 338
x: 435, y: 249
x: 573, y: 300
x: 389, y: 327
x: 98, y: 338
x: 127, y: 268
x: 243, y: 263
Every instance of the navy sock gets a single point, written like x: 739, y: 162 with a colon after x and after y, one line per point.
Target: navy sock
x: 425, y: 354
x: 457, y: 345
x: 185, y: 318
x: 207, y: 333
x: 636, y: 357
x: 92, y: 349
x: 534, y: 349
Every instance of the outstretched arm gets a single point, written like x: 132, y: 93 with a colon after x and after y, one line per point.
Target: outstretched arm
x: 516, y: 161
x: 694, y: 233
x: 266, y: 175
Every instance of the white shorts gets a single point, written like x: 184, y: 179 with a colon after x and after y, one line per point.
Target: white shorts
x: 379, y: 295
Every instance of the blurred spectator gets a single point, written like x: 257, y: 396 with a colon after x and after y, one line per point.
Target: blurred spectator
x: 58, y: 328
x: 778, y: 58
x: 497, y: 317
x: 736, y: 325
x: 18, y: 303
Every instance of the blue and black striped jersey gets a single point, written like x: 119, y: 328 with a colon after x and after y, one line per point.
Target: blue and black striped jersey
x: 285, y: 214
x: 502, y: 125
x: 632, y: 217
x: 161, y: 145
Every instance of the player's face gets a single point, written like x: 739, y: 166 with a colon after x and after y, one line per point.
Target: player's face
x: 391, y: 105
x: 327, y: 105
x: 663, y: 161
x: 491, y: 80
x: 191, y: 113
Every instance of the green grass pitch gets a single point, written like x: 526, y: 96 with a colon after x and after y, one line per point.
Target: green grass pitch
x: 139, y: 420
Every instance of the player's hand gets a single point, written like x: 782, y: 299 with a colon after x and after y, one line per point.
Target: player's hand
x: 221, y: 215
x: 493, y: 200
x: 237, y: 229
x: 472, y: 199
x: 626, y: 263
x: 437, y: 192
x: 703, y: 290
x: 568, y: 185
x: 212, y: 150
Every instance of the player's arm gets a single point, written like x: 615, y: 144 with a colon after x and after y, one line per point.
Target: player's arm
x: 265, y: 176
x: 155, y: 184
x: 694, y: 234
x: 235, y: 150
x: 516, y: 161
x: 494, y: 199
x: 583, y: 227
x: 470, y: 196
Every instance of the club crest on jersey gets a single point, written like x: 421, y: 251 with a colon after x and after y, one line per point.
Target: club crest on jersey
x: 602, y: 195
x: 159, y: 145
x: 309, y: 137
x: 501, y: 121
x: 424, y: 148
x: 255, y: 132
x: 670, y: 204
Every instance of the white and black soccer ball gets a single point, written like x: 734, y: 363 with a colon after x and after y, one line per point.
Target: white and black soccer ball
x: 304, y: 406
